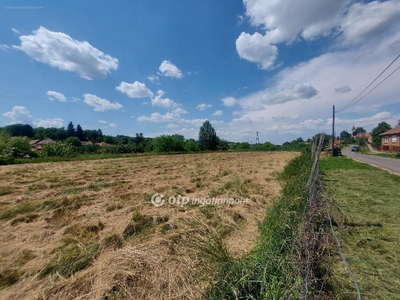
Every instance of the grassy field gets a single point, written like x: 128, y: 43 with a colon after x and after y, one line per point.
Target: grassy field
x: 370, y: 233
x: 88, y: 229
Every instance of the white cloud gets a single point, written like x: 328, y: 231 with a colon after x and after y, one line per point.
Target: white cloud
x: 169, y: 117
x: 100, y: 104
x: 16, y: 31
x: 217, y: 113
x: 58, y: 49
x: 112, y: 125
x: 257, y: 48
x: 168, y: 69
x: 4, y: 47
x: 299, y: 91
x: 229, y: 101
x: 19, y: 114
x: 203, y: 106
x: 364, y: 22
x: 103, y: 122
x: 292, y: 21
x: 343, y: 89
x: 286, y: 20
x: 134, y: 90
x: 56, y: 122
x: 56, y: 96
x: 153, y: 78
x: 163, y: 102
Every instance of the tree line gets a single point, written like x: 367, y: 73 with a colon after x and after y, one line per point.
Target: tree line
x: 14, y: 142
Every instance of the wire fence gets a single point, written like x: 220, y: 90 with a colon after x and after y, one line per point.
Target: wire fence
x: 318, y: 234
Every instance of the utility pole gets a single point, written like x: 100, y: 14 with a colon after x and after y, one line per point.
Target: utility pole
x: 333, y: 130
x: 258, y: 137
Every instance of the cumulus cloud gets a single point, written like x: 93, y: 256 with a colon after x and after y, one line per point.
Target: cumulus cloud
x: 153, y: 78
x: 56, y: 96
x: 59, y: 50
x: 134, y: 90
x: 217, y: 113
x: 19, y: 114
x: 257, y: 48
x: 300, y: 91
x: 292, y: 21
x: 4, y: 47
x: 163, y: 102
x: 364, y: 22
x: 168, y: 69
x: 229, y: 101
x: 170, y: 117
x: 100, y: 104
x: 56, y: 122
x: 343, y: 89
x: 203, y: 106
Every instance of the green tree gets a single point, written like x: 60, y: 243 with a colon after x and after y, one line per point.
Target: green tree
x: 381, y: 128
x: 79, y: 133
x: 345, y: 135
x: 191, y: 145
x: 73, y: 141
x: 243, y: 146
x: 18, y: 146
x: 169, y: 143
x: 71, y: 129
x: 359, y: 130
x: 208, y: 139
x: 222, y: 145
x: 20, y: 130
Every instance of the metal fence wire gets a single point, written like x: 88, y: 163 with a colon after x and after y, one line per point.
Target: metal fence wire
x: 317, y: 233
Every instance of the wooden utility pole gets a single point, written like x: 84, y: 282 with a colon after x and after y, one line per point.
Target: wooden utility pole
x: 333, y: 131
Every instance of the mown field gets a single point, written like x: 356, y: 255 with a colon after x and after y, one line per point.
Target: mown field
x: 368, y: 227
x: 88, y: 230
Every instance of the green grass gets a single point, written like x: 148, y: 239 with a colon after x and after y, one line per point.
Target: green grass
x: 10, y: 212
x: 269, y: 270
x: 369, y: 197
x: 78, y: 249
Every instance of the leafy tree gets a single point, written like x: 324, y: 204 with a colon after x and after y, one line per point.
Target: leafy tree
x: 345, y: 135
x: 99, y: 135
x: 208, y: 139
x: 191, y: 145
x: 243, y: 146
x: 169, y: 143
x: 79, y: 133
x: 139, y: 138
x: 17, y: 146
x: 71, y: 129
x: 359, y: 130
x: 381, y: 128
x: 20, y: 130
x: 73, y: 141
x: 222, y: 145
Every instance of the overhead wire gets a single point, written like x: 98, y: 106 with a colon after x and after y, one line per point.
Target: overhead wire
x: 357, y: 99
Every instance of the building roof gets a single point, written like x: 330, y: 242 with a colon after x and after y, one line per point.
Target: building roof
x: 395, y: 130
x: 46, y: 141
x: 33, y: 142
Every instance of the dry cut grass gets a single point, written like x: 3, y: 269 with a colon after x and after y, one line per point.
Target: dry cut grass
x: 88, y: 230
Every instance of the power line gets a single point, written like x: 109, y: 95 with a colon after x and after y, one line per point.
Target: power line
x: 355, y: 100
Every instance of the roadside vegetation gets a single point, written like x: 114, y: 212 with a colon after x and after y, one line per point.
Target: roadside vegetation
x: 367, y: 226
x: 271, y: 269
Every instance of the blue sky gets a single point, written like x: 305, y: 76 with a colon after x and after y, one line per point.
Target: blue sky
x: 164, y: 67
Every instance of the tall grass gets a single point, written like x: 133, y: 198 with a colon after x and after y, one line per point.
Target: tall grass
x: 269, y: 271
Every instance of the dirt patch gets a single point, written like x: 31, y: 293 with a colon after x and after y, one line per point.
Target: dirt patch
x: 96, y: 220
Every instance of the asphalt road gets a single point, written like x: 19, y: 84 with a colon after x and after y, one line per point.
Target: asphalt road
x: 386, y: 163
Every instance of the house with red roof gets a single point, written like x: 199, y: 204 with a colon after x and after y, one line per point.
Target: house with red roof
x: 391, y: 140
